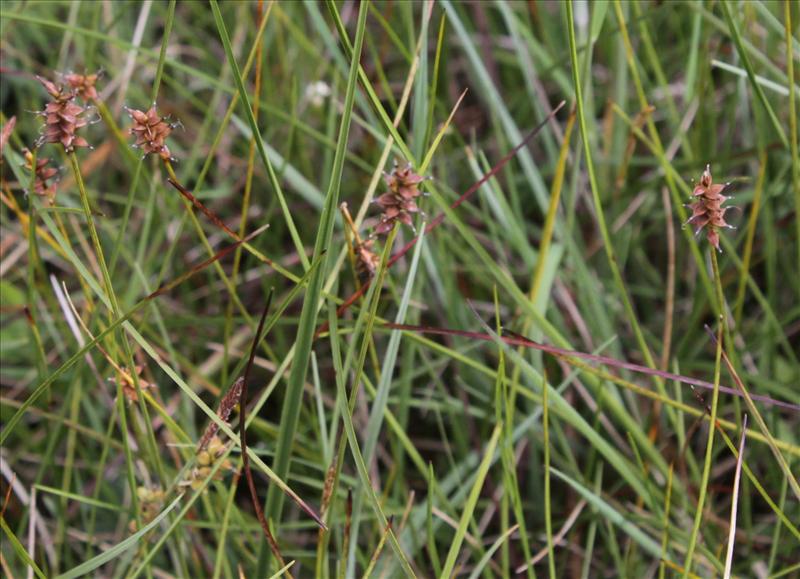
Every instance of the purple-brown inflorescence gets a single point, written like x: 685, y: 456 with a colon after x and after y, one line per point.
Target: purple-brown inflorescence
x: 83, y: 85
x: 707, y: 210
x: 400, y: 201
x: 43, y: 173
x: 63, y: 116
x: 226, y: 406
x: 151, y: 131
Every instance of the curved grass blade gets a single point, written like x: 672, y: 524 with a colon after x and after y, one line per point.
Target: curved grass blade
x: 611, y: 514
x: 119, y: 548
x: 471, y: 503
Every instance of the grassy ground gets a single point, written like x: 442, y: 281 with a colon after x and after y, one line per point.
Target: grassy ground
x: 449, y: 419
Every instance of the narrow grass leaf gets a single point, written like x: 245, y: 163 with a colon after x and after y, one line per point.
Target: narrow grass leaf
x: 470, y: 504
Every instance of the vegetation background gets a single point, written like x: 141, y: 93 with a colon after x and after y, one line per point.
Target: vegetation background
x: 469, y: 452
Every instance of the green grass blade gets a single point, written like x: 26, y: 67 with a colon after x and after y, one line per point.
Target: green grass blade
x: 471, y: 503
x: 757, y: 88
x: 308, y: 316
x: 612, y: 515
x: 120, y: 547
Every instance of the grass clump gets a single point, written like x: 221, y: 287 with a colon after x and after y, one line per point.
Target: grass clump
x: 495, y: 341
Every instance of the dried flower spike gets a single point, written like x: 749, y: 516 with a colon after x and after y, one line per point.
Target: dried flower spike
x: 62, y: 118
x: 151, y: 131
x: 366, y: 260
x: 226, y: 406
x: 400, y: 201
x: 707, y: 210
x: 42, y: 175
x: 128, y: 385
x: 83, y: 85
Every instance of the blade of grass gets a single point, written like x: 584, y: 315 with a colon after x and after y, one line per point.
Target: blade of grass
x: 380, y: 403
x: 470, y: 504
x: 762, y: 425
x: 245, y: 100
x: 795, y: 155
x: 305, y: 334
x: 734, y: 503
x: 613, y: 264
x: 612, y: 515
x: 119, y: 548
x: 699, y: 512
x: 481, y: 565
x: 347, y: 404
x: 756, y: 86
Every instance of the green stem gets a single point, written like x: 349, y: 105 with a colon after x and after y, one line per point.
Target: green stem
x: 128, y: 353
x: 698, y: 518
x: 601, y: 220
x: 290, y: 412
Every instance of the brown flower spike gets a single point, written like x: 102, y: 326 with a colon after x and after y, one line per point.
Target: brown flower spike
x: 62, y: 118
x: 400, y: 201
x: 151, y: 131
x: 707, y: 210
x: 83, y: 85
x: 366, y: 260
x: 42, y: 175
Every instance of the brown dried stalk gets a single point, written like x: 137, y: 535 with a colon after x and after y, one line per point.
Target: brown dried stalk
x: 262, y: 520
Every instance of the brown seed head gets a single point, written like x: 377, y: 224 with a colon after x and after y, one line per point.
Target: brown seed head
x: 366, y: 259
x: 42, y: 175
x: 150, y: 131
x: 399, y: 202
x: 128, y: 385
x: 62, y: 118
x: 83, y: 85
x: 231, y: 399
x: 707, y: 210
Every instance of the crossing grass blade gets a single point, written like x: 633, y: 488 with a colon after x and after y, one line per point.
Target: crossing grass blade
x: 308, y: 316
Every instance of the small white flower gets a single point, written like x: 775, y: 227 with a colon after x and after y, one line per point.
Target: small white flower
x: 317, y: 92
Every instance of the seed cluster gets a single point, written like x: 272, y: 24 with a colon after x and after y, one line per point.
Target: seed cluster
x: 151, y: 501
x: 63, y: 116
x: 206, y: 461
x: 366, y: 259
x: 43, y: 173
x: 151, y: 132
x: 83, y: 85
x: 401, y: 200
x: 707, y: 210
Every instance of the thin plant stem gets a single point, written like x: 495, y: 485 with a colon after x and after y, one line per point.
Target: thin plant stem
x: 128, y: 353
x: 698, y: 518
x: 548, y: 522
